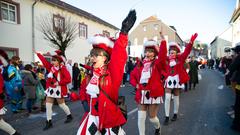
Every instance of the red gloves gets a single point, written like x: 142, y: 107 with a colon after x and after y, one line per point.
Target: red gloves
x: 193, y: 38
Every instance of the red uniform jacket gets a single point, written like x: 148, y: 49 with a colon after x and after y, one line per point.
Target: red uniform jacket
x: 65, y: 77
x: 1, y: 89
x: 155, y: 84
x: 179, y: 67
x: 109, y: 114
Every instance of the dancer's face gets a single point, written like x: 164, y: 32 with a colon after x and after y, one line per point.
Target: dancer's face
x: 172, y: 52
x: 150, y: 54
x: 55, y: 62
x: 98, y: 57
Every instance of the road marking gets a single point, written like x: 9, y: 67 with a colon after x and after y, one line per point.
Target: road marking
x: 42, y: 115
x: 133, y: 111
x: 220, y: 87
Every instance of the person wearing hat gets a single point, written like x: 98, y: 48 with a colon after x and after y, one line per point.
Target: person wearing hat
x: 109, y: 58
x: 149, y: 85
x: 56, y: 85
x: 176, y: 75
x: 234, y: 72
x: 13, y: 84
x: 4, y: 125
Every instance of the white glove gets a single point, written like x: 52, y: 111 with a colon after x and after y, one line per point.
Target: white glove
x: 50, y: 75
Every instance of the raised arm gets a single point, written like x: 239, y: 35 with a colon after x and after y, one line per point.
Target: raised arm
x: 188, y: 48
x: 119, y: 53
x: 46, y: 64
x: 162, y: 54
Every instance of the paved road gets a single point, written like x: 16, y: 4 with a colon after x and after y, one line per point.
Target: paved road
x: 203, y: 111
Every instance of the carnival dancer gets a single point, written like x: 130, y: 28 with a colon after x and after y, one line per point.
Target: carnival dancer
x: 4, y: 125
x: 13, y: 84
x: 176, y: 75
x: 56, y: 85
x: 147, y: 80
x: 109, y: 58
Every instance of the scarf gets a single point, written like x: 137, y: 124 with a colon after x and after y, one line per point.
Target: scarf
x: 146, y: 72
x: 172, y: 60
x: 93, y: 85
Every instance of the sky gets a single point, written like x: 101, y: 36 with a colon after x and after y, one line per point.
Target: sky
x: 209, y: 18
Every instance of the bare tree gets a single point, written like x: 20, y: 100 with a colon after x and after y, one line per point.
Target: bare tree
x: 59, y: 30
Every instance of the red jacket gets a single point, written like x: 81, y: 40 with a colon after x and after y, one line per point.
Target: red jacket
x: 155, y: 84
x: 1, y: 89
x: 109, y: 114
x: 65, y: 77
x: 179, y: 67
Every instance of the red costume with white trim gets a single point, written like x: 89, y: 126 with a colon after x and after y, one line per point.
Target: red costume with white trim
x: 155, y: 84
x: 105, y: 113
x: 177, y: 68
x: 62, y: 74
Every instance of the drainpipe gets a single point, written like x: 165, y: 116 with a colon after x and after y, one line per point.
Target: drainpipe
x: 33, y: 29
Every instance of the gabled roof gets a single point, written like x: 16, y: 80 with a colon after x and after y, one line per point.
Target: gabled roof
x: 235, y: 15
x: 151, y: 18
x: 78, y: 11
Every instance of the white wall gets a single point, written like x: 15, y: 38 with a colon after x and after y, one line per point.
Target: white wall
x: 236, y: 31
x: 80, y: 48
x: 19, y: 35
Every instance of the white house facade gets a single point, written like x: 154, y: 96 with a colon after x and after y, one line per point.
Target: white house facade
x: 235, y: 22
x: 221, y: 42
x: 20, y: 34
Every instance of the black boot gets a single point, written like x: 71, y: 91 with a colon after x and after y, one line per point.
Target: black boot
x: 48, y: 125
x: 174, y: 118
x: 158, y: 131
x: 166, y: 121
x: 69, y: 119
x: 16, y: 133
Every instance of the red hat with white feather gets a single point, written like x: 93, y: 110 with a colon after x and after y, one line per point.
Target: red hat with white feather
x: 174, y: 46
x: 59, y: 55
x: 103, y: 42
x: 152, y: 44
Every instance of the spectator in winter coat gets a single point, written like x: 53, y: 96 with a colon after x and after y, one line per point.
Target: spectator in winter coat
x: 29, y: 82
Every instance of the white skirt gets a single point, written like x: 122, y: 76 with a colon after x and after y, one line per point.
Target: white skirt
x: 3, y: 111
x: 53, y: 92
x: 146, y: 99
x: 173, y: 82
x: 93, y: 127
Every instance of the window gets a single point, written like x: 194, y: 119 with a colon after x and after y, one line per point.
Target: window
x: 58, y: 23
x: 10, y: 11
x: 144, y: 28
x: 82, y: 30
x: 135, y: 41
x: 106, y: 33
x: 155, y: 26
x: 11, y: 51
